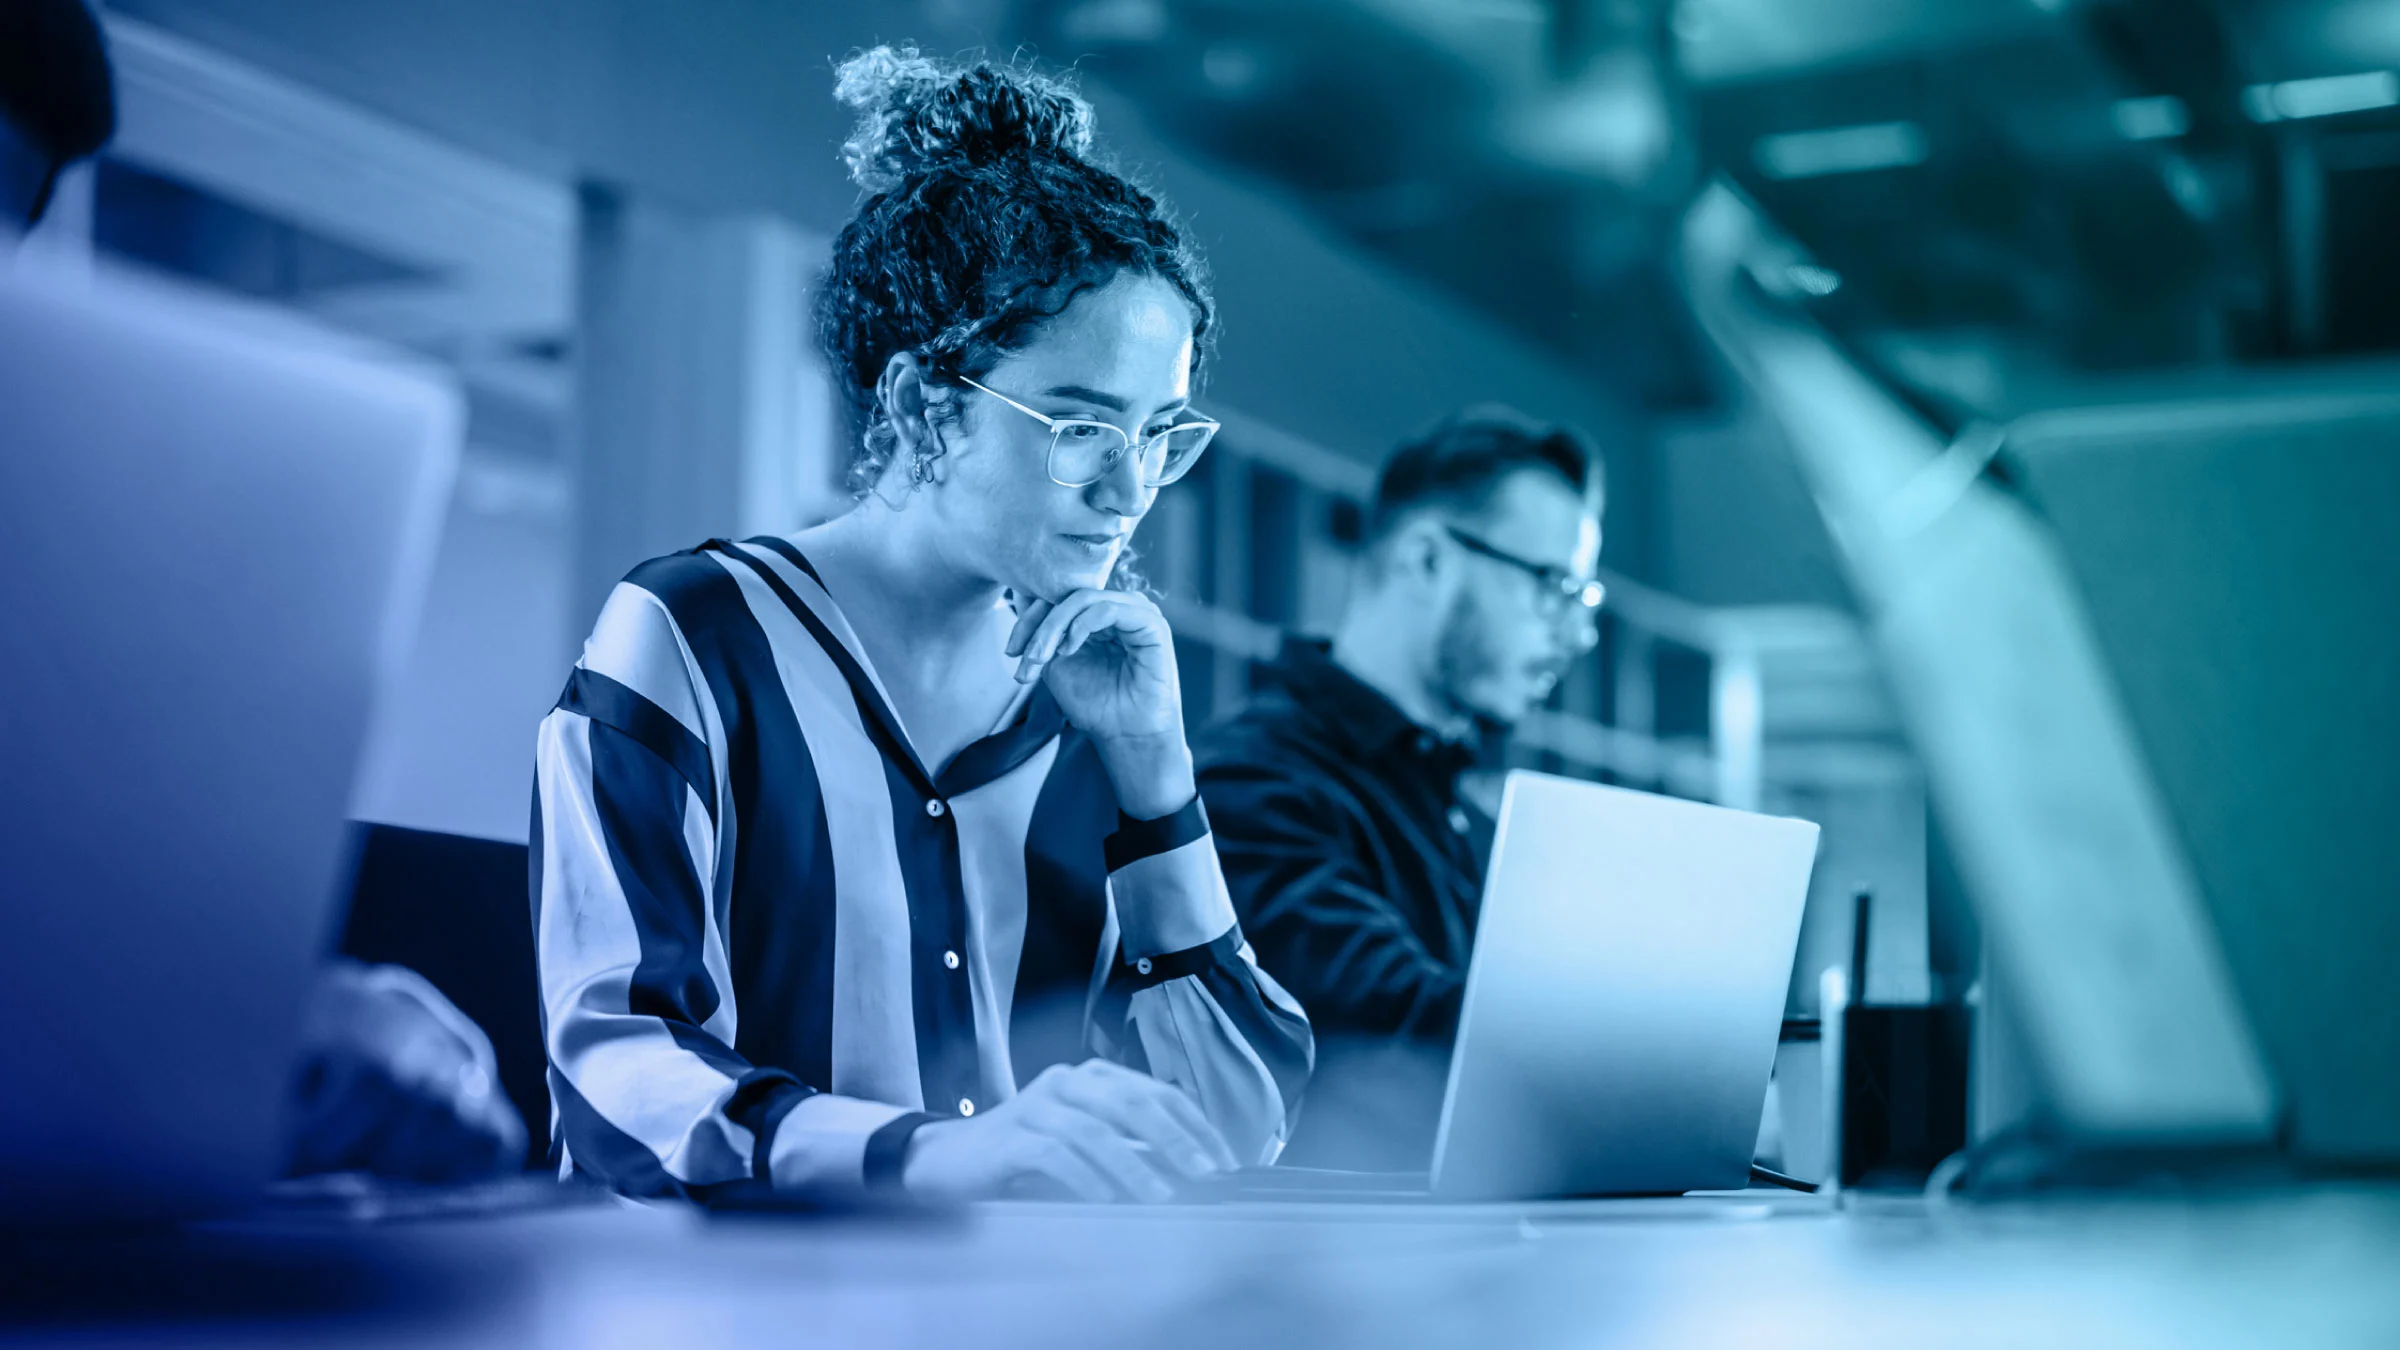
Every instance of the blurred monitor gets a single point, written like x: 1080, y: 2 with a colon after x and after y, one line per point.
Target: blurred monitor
x: 2152, y: 684
x: 216, y: 543
x: 2238, y: 558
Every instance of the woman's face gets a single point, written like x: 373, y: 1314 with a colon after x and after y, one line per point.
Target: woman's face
x: 1119, y: 353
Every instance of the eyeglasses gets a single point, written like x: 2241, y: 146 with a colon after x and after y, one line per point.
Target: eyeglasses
x: 1557, y: 590
x: 1084, y: 449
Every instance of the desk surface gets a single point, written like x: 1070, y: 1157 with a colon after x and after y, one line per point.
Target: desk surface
x: 2304, y: 1268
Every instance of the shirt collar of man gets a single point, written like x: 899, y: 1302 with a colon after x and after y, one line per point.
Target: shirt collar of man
x: 1357, y: 716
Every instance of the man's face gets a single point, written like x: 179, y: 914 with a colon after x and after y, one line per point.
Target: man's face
x: 1504, y: 644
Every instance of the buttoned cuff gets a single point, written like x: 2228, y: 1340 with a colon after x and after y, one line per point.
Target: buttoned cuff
x: 1168, y: 887
x: 1139, y: 839
x: 887, y: 1150
x: 1141, y: 972
x: 822, y: 1143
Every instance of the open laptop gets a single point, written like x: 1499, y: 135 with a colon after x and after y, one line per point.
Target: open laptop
x: 1622, y: 1007
x: 216, y: 544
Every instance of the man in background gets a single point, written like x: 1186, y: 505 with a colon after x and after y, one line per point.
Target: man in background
x: 57, y: 102
x: 1355, y: 861
x: 393, y: 1080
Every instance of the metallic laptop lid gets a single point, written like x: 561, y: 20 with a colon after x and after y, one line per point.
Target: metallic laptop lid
x: 1625, y: 996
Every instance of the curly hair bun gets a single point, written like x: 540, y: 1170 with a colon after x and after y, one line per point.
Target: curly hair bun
x: 918, y: 115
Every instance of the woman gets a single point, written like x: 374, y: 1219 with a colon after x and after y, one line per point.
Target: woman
x: 852, y: 847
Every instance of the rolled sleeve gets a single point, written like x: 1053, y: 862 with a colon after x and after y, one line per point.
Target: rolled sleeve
x: 1184, y: 997
x: 823, y: 1141
x: 1168, y: 884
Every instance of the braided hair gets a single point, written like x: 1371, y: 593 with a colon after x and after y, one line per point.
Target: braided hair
x: 988, y: 213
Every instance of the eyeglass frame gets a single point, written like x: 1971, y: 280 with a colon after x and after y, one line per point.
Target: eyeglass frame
x: 1057, y: 425
x: 1556, y: 590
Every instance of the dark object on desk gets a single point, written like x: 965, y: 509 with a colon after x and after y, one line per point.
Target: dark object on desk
x: 454, y: 910
x: 1904, y: 1092
x: 1904, y: 1081
x: 1768, y: 1176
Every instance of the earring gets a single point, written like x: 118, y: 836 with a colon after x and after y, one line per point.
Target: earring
x: 920, y: 471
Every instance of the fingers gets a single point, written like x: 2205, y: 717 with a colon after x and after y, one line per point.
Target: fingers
x: 1049, y: 1156
x: 1036, y: 650
x: 1157, y: 1112
x: 1186, y: 1112
x: 1096, y: 1132
x: 1153, y: 1112
x: 1032, y: 1146
x: 1101, y: 1146
x: 1075, y: 618
x: 1080, y: 617
x: 1087, y: 625
x: 1028, y: 619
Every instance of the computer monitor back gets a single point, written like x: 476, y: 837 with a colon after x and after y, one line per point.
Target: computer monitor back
x: 215, y: 542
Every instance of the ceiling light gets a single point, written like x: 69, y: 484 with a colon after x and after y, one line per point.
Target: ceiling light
x: 2326, y: 96
x: 1231, y: 68
x: 1132, y: 22
x: 1813, y: 154
x: 2151, y: 119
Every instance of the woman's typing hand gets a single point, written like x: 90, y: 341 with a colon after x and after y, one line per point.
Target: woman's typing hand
x: 1095, y: 1131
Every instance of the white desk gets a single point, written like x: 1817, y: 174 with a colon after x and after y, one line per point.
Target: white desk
x: 2313, y: 1268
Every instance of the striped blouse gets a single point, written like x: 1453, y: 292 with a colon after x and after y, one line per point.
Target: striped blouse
x: 765, y: 931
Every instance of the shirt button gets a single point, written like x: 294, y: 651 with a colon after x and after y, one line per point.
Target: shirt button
x: 935, y: 807
x: 1458, y: 819
x: 950, y: 959
x: 966, y: 1107
x: 1142, y: 965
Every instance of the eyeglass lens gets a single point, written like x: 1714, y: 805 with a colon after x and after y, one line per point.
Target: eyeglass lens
x: 1083, y: 452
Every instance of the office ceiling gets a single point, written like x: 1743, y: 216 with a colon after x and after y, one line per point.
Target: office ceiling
x: 2003, y: 199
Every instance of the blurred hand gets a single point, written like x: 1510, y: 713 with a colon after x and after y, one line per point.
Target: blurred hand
x: 397, y: 1082
x: 1109, y: 659
x: 1094, y: 1131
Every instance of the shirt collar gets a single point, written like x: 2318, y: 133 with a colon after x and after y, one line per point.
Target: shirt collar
x: 1357, y: 715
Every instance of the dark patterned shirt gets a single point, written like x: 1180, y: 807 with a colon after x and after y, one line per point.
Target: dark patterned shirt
x: 1356, y: 869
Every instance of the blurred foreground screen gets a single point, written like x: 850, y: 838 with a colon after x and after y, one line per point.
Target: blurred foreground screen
x: 2239, y: 563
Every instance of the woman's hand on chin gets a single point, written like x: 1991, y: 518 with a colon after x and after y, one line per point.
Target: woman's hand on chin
x: 1109, y: 659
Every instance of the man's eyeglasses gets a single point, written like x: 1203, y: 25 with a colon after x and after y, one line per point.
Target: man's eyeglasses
x: 1084, y: 449
x: 1557, y: 590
